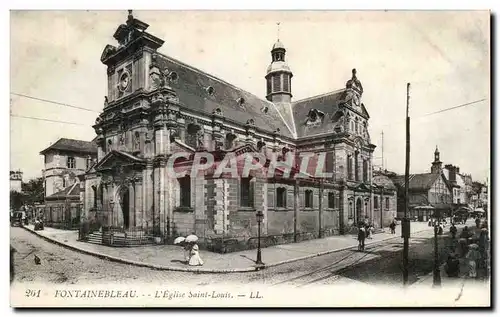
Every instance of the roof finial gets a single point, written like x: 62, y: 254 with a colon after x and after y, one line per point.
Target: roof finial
x: 130, y: 16
x: 278, y: 24
x: 354, y: 73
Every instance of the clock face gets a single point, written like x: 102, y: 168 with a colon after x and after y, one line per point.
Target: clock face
x: 124, y: 81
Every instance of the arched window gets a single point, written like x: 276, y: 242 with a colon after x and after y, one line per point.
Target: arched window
x: 94, y: 192
x: 365, y: 171
x: 375, y: 202
x: 308, y: 198
x: 356, y: 166
x: 349, y: 166
x: 387, y: 203
x: 229, y: 144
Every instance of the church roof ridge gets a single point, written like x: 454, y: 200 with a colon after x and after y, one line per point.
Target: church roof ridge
x: 213, y: 77
x: 320, y: 95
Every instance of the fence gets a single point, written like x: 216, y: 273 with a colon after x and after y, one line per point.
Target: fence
x: 61, y: 217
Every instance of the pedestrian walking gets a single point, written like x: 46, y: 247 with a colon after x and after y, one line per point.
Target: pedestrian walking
x: 478, y: 222
x: 367, y: 231
x: 392, y: 226
x: 453, y: 231
x: 361, y: 238
x: 195, y: 259
x: 473, y: 256
x: 187, y: 251
x: 483, y: 247
x: 452, y: 265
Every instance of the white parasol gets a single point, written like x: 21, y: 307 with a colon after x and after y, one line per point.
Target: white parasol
x: 191, y: 238
x: 179, y: 240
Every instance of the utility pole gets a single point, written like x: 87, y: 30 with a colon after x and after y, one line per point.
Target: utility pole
x: 406, y: 222
x: 383, y: 150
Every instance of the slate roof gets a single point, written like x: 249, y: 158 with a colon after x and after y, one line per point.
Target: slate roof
x: 327, y: 103
x: 72, y: 190
x: 382, y: 180
x: 72, y: 145
x: 191, y: 88
x: 417, y: 182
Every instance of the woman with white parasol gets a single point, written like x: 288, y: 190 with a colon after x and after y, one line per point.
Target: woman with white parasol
x: 472, y: 257
x: 186, y: 246
x: 195, y: 258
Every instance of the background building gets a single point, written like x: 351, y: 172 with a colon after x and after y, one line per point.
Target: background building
x: 64, y: 161
x: 16, y: 180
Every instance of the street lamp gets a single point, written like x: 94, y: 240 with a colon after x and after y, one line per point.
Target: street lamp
x: 436, y: 281
x: 260, y: 217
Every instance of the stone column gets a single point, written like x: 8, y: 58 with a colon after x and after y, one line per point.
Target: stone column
x: 148, y: 194
x: 131, y: 202
x: 162, y: 210
x: 138, y: 189
x: 296, y: 206
x: 320, y: 214
x: 342, y: 208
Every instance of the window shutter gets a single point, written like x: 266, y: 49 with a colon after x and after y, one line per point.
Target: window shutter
x: 276, y: 83
x: 285, y: 83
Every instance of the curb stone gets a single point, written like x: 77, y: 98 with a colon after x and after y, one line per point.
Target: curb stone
x: 191, y: 269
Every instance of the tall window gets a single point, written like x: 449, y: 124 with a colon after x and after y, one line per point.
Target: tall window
x: 94, y: 191
x: 329, y: 162
x: 281, y: 197
x: 277, y: 83
x: 246, y: 192
x: 375, y: 202
x: 285, y: 83
x: 386, y: 202
x: 365, y: 171
x: 269, y: 86
x: 356, y: 166
x: 185, y: 191
x: 331, y: 200
x: 230, y: 141
x: 309, y: 198
x: 70, y: 162
x: 349, y: 166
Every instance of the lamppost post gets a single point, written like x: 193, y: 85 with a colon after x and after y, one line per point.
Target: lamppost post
x: 259, y: 216
x: 436, y: 280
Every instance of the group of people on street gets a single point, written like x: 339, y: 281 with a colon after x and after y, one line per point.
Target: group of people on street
x: 472, y: 247
x: 192, y: 254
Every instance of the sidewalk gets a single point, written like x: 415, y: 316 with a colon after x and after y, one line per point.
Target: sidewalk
x: 169, y: 257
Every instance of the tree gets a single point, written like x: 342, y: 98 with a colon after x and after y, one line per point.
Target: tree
x: 17, y: 200
x: 33, y: 190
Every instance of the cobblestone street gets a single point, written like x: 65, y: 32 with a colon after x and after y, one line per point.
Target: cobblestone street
x: 61, y: 265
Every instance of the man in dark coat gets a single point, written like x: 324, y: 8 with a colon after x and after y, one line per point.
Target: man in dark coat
x: 361, y: 238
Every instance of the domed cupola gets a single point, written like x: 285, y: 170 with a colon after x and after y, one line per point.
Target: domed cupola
x: 279, y: 76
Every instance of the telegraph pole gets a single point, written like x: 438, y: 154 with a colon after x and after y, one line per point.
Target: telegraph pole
x: 383, y: 150
x: 406, y: 222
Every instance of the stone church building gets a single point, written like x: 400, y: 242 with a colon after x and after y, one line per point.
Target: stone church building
x: 158, y: 106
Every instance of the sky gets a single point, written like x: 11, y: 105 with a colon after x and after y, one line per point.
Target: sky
x: 55, y: 55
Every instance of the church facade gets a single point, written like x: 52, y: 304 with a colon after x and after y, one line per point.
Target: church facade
x: 158, y: 107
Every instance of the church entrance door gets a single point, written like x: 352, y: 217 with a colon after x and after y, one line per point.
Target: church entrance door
x: 125, y: 206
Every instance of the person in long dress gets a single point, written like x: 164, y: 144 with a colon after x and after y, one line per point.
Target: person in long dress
x: 187, y: 251
x: 195, y: 259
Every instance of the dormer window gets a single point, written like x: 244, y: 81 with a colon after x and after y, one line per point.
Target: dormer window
x: 315, y: 116
x: 210, y: 90
x: 241, y: 101
x: 172, y: 76
x: 265, y: 109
